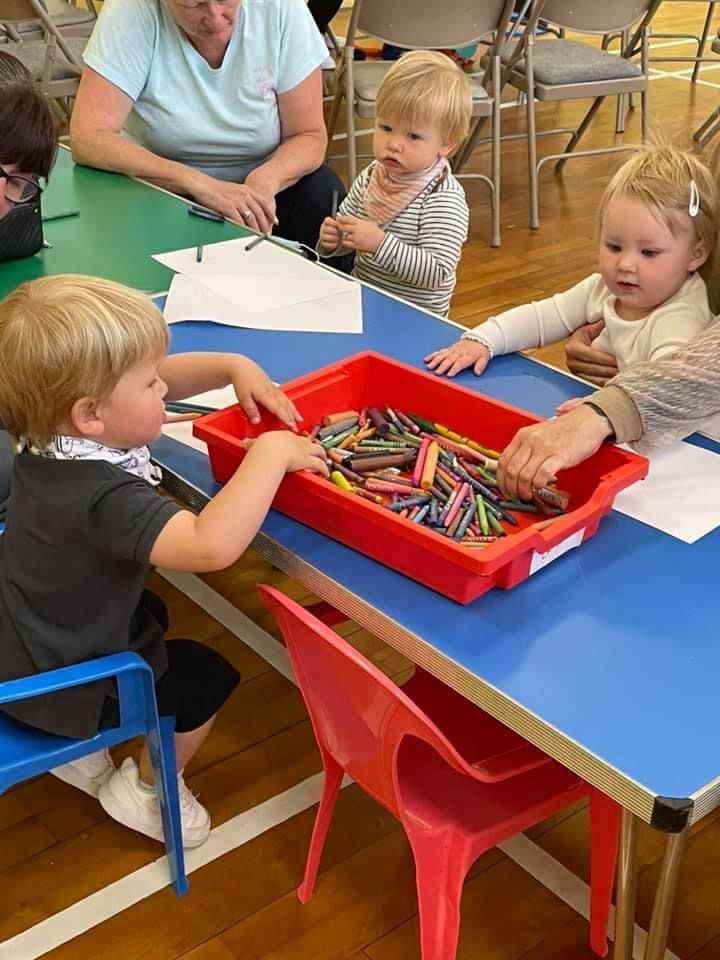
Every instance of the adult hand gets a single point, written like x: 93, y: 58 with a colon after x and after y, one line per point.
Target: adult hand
x: 266, y: 188
x: 358, y: 234
x: 538, y: 452
x: 465, y: 353
x: 255, y: 389
x: 586, y: 361
x: 239, y: 202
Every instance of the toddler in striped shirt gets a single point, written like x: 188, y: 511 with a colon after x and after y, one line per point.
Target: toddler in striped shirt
x: 406, y: 216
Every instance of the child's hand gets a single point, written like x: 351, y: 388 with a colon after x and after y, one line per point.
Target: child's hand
x: 253, y: 387
x: 463, y: 354
x: 363, y: 235
x: 297, y: 453
x: 330, y: 235
x: 569, y: 405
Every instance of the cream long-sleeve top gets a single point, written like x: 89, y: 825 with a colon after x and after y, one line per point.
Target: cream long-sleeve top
x: 663, y: 332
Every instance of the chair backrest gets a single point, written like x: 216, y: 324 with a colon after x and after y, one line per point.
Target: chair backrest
x: 23, y: 10
x: 427, y: 24
x: 595, y: 16
x: 359, y: 716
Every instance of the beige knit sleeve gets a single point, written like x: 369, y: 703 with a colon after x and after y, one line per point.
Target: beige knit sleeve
x: 662, y: 401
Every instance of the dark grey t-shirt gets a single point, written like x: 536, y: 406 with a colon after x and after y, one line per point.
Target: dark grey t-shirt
x: 73, y: 563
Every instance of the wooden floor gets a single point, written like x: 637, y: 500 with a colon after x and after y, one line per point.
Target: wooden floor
x: 57, y: 847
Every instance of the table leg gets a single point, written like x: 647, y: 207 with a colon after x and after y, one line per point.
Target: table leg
x: 665, y: 896
x: 626, y: 886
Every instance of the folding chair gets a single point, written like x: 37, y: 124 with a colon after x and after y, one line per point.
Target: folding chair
x: 55, y: 60
x: 71, y: 21
x: 709, y: 127
x: 423, y: 25
x: 458, y: 780
x: 552, y: 70
x: 26, y: 753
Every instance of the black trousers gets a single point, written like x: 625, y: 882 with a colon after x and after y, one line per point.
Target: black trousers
x: 322, y: 12
x: 303, y: 207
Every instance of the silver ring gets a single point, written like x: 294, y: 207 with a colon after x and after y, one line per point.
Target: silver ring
x: 246, y: 214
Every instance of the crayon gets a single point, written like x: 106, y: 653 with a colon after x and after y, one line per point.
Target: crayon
x: 429, y: 466
x: 519, y: 507
x: 554, y: 497
x: 331, y: 418
x: 406, y: 421
x: 337, y: 439
x: 199, y: 253
x: 455, y: 525
x: 465, y: 521
x: 206, y: 214
x: 339, y: 480
x: 379, y: 421
x: 181, y: 417
x: 387, y: 486
x: 334, y: 428
x: 349, y: 474
x: 421, y: 514
x: 452, y: 511
x: 482, y: 515
x: 423, y: 424
x: 366, y: 495
x: 378, y: 461
x: 495, y: 524
x: 420, y: 462
x: 334, y: 203
x: 417, y: 501
x: 255, y: 242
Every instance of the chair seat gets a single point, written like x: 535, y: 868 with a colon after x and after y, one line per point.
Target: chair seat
x: 560, y: 62
x: 32, y: 54
x: 368, y: 75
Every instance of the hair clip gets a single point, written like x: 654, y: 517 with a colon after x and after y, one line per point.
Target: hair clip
x: 694, y: 204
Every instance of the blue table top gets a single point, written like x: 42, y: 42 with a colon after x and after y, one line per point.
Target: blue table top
x: 607, y: 658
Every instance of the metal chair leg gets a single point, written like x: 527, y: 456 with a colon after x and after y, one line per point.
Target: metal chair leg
x: 703, y: 40
x: 532, y: 140
x: 495, y: 167
x: 576, y: 137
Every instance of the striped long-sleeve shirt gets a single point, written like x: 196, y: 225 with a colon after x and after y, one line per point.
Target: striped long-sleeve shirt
x: 418, y: 258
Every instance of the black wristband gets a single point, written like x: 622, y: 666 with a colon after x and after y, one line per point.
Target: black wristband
x: 611, y: 438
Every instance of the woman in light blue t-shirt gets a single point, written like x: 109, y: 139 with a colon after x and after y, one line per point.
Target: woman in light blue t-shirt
x: 219, y: 100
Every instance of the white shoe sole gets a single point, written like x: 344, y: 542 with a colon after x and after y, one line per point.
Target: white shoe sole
x: 114, y: 808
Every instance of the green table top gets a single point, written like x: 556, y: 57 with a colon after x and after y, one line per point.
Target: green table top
x: 121, y: 223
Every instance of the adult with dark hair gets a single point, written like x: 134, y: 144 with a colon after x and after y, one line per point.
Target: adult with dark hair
x: 219, y: 100
x: 28, y: 135
x: 28, y: 142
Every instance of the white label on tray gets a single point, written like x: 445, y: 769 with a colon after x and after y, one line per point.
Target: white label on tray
x: 540, y: 560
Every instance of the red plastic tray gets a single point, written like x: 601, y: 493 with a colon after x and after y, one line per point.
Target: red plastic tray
x: 370, y: 379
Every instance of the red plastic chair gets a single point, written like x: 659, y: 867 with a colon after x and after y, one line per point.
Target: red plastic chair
x: 458, y: 780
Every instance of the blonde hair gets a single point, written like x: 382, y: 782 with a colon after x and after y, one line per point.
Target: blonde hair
x: 67, y: 337
x: 425, y: 86
x: 660, y: 177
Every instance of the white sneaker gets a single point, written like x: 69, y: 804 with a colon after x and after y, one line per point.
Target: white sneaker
x: 88, y: 773
x: 130, y: 802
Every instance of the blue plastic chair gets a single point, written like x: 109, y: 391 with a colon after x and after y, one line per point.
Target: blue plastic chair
x: 25, y: 752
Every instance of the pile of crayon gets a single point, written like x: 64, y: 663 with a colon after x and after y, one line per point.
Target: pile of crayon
x: 427, y: 473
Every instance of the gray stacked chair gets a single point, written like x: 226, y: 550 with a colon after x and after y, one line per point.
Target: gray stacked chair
x: 562, y: 69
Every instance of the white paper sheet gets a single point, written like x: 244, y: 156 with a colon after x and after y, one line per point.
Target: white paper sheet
x: 711, y: 427
x: 266, y: 288
x: 212, y: 398
x: 681, y: 494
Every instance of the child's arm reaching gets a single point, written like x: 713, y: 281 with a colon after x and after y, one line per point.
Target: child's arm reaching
x: 187, y: 374
x: 461, y: 355
x: 533, y: 324
x: 220, y: 533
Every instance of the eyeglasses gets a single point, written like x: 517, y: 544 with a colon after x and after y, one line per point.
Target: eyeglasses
x: 19, y: 188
